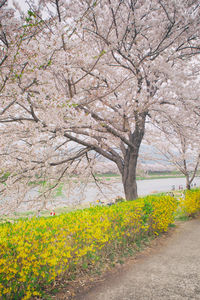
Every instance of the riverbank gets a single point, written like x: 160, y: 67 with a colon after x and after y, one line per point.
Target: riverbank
x: 148, y: 176
x: 85, y: 196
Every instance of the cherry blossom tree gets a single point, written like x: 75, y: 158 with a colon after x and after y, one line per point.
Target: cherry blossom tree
x: 181, y: 148
x: 29, y: 140
x: 92, y: 74
x: 141, y: 43
x: 178, y: 135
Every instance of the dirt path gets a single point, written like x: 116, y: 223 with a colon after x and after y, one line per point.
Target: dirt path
x: 168, y: 272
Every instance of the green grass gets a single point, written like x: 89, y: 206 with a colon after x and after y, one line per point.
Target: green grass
x: 182, y: 218
x: 149, y: 176
x: 172, y: 225
x: 108, y: 175
x: 161, y: 176
x: 44, y: 213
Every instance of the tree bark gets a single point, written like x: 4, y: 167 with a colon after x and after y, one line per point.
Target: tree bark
x: 188, y: 183
x: 129, y: 176
x: 131, y: 157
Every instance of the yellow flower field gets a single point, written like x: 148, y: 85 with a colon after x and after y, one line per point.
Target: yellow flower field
x: 33, y: 253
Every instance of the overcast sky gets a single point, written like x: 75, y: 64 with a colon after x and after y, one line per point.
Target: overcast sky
x: 22, y: 3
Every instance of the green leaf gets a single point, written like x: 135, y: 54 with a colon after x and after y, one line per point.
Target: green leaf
x: 31, y: 13
x: 74, y: 105
x: 101, y: 54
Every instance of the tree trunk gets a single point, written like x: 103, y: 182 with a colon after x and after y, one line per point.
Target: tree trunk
x: 130, y: 188
x: 188, y: 183
x: 131, y: 156
x: 129, y: 175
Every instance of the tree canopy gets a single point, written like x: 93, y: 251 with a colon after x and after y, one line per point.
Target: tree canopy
x: 98, y: 74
